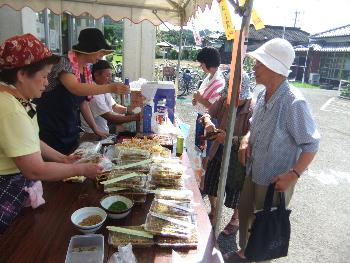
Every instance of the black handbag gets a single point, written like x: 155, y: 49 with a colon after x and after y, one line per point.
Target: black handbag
x: 270, y: 231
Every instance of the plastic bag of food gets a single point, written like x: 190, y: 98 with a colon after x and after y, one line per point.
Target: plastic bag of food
x: 179, y: 195
x: 88, y: 148
x: 176, y: 226
x: 135, y: 235
x: 106, y: 164
x: 171, y: 208
x: 124, y: 255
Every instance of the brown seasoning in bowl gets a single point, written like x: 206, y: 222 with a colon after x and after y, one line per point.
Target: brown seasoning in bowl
x: 91, y: 220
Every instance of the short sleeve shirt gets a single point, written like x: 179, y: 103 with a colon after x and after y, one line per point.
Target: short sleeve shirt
x: 63, y: 66
x: 211, y: 90
x: 281, y: 129
x: 19, y: 133
x: 59, y: 111
x: 99, y: 105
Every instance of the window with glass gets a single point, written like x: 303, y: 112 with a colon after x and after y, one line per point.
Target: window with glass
x: 48, y: 29
x: 80, y: 23
x: 40, y: 26
x: 54, y: 30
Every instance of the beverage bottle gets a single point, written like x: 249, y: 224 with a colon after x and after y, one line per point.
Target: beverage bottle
x: 147, y: 118
x: 179, y: 145
x: 127, y: 96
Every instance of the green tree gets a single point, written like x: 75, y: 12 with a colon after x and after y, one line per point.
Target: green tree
x: 185, y: 53
x: 173, y: 54
x: 193, y: 54
x: 113, y: 32
x: 173, y: 37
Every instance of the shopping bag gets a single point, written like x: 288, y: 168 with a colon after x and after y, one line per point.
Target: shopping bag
x: 270, y: 231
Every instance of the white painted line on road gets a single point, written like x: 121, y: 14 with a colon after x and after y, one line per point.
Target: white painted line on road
x: 324, y: 106
x: 339, y: 111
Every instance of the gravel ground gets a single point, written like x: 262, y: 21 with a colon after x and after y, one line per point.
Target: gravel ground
x: 320, y: 205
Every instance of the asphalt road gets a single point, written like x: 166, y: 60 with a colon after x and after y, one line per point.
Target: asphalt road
x: 321, y: 203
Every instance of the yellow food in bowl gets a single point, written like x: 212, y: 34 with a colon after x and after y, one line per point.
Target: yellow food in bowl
x: 91, y: 220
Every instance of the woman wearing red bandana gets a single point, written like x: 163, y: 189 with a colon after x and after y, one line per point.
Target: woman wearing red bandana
x: 70, y: 84
x: 25, y: 63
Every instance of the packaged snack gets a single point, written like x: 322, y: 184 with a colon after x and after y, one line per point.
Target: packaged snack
x: 176, y: 226
x: 171, y: 208
x: 178, y: 242
x: 178, y: 195
x: 135, y: 235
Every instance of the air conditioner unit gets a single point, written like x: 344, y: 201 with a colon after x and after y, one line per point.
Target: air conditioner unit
x: 314, y: 78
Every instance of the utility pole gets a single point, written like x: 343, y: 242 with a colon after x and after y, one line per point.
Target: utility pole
x: 296, y: 16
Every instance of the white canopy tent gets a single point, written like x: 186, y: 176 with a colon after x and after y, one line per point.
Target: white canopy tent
x: 176, y: 12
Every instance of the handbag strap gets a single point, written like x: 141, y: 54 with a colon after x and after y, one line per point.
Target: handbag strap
x: 269, y: 199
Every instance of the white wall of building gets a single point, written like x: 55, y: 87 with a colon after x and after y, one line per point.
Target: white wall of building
x: 138, y: 50
x: 11, y: 23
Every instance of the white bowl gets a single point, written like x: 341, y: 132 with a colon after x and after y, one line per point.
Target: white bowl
x: 110, y: 199
x: 85, y: 212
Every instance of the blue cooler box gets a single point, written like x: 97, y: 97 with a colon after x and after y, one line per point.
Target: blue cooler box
x: 158, y: 90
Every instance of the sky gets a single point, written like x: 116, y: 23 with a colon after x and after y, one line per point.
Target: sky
x: 313, y: 16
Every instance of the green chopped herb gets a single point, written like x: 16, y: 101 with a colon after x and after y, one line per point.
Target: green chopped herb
x: 117, y: 206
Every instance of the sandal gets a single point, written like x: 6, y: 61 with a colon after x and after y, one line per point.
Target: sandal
x: 234, y: 257
x: 230, y: 229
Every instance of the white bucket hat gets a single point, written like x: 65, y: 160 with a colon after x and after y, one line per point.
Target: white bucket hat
x: 277, y: 54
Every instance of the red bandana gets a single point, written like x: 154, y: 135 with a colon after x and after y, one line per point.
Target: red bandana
x: 23, y: 50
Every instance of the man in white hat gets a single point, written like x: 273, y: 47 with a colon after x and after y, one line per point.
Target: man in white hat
x: 282, y: 141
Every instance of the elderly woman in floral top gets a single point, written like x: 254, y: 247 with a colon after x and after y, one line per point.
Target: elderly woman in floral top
x: 25, y: 63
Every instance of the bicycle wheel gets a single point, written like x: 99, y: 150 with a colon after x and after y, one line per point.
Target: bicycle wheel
x: 182, y: 86
x: 196, y: 82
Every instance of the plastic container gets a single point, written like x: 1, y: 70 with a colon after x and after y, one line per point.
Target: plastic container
x: 158, y: 90
x: 85, y: 249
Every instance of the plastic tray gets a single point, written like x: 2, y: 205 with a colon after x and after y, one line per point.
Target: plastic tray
x: 85, y: 249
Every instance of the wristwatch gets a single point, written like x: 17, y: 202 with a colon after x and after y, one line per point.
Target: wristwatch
x: 294, y: 171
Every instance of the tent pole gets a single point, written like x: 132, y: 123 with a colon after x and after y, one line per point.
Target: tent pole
x: 232, y: 116
x: 177, y: 82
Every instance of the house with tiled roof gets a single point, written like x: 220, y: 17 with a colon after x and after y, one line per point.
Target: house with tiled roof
x: 294, y: 35
x: 256, y: 38
x: 327, y: 57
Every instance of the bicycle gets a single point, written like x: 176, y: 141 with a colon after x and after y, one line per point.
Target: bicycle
x: 189, y: 81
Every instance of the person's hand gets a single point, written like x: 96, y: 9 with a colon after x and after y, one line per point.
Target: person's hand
x: 284, y: 181
x: 196, y: 96
x: 129, y: 110
x: 209, y: 127
x: 194, y: 102
x: 205, y: 162
x: 220, y: 137
x: 137, y: 117
x: 72, y: 158
x: 244, y: 150
x: 119, y: 88
x: 101, y: 134
x: 89, y: 170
